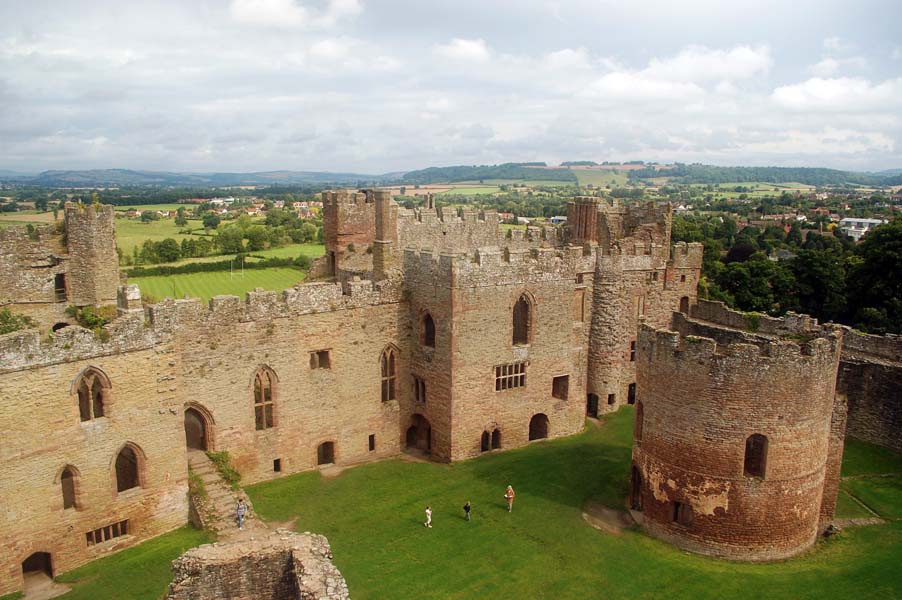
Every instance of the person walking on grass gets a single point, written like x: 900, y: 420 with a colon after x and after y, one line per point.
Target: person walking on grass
x: 467, y: 508
x: 428, y: 522
x: 509, y: 496
x: 240, y: 512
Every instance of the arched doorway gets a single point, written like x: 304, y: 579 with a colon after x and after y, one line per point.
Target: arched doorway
x: 538, y: 427
x: 195, y: 430
x: 419, y: 434
x: 325, y: 453
x: 37, y: 570
x: 592, y: 405
x: 496, y: 439
x: 486, y: 442
x: 635, y: 489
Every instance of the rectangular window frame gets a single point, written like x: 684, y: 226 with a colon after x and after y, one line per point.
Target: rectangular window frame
x: 321, y: 359
x: 419, y: 389
x: 510, y: 376
x: 560, y: 387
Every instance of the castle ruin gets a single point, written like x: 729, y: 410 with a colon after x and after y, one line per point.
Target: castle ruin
x: 428, y: 330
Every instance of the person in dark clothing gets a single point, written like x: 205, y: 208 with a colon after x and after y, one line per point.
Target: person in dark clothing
x: 467, y: 508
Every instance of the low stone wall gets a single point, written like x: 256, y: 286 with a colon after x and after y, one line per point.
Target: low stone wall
x: 281, y: 566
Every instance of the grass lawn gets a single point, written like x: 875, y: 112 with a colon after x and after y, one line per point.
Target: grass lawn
x: 133, y: 232
x: 373, y: 517
x: 170, y: 206
x: 139, y: 573
x: 207, y: 285
x: 470, y: 191
x: 883, y: 495
x: 600, y: 177
x: 862, y: 458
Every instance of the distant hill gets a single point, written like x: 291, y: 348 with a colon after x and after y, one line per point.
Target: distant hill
x: 128, y: 177
x: 6, y: 173
x: 518, y: 171
x: 579, y: 163
x: 697, y: 173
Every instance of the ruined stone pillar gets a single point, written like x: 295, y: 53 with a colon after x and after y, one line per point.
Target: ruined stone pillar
x: 385, y: 246
x: 582, y: 219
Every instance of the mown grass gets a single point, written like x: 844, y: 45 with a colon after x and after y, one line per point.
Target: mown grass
x: 132, y: 232
x: 883, y: 495
x: 470, y: 191
x: 139, y: 573
x: 601, y: 177
x: 207, y: 285
x: 862, y: 458
x: 373, y: 517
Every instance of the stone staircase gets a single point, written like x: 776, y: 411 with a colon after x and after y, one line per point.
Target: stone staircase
x: 216, y: 512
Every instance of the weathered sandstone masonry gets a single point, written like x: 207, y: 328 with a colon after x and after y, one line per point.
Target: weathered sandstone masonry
x: 282, y: 566
x: 738, y: 440
x: 870, y: 376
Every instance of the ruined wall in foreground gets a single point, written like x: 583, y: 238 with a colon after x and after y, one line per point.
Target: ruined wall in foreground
x: 870, y: 376
x: 282, y: 566
x: 699, y: 400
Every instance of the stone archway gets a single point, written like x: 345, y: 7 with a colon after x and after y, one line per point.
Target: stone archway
x: 538, y: 427
x: 419, y: 434
x: 196, y: 430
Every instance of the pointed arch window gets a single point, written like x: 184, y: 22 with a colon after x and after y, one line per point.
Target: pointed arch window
x: 428, y: 331
x: 522, y: 317
x: 129, y: 467
x: 93, y: 388
x: 68, y: 487
x: 264, y: 385
x: 389, y: 366
x: 755, y: 455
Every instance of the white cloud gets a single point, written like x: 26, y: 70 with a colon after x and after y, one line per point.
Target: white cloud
x: 463, y: 49
x: 698, y: 63
x: 831, y: 66
x: 836, y: 44
x: 896, y: 53
x: 843, y: 94
x: 291, y: 13
x: 639, y: 87
x: 827, y: 140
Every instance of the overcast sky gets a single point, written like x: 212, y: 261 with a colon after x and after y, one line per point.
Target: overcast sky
x: 383, y: 85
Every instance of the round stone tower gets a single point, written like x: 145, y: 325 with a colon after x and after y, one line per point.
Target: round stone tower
x: 735, y: 437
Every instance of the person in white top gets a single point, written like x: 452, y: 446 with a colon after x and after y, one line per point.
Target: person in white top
x: 428, y: 522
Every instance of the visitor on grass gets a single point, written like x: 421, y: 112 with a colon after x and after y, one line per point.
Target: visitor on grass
x: 509, y: 496
x: 467, y: 508
x: 240, y: 512
x: 428, y: 522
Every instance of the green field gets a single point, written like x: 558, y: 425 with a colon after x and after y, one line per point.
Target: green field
x: 207, y: 285
x: 132, y: 232
x: 170, y: 206
x: 373, y: 517
x: 470, y: 191
x: 142, y: 572
x: 289, y: 251
x: 544, y: 549
x: 601, y: 177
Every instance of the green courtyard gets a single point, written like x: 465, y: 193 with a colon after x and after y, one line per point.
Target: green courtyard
x: 373, y: 516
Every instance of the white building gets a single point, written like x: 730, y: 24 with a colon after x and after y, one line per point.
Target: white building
x: 856, y: 228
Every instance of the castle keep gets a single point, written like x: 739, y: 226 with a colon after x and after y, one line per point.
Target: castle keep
x: 427, y: 330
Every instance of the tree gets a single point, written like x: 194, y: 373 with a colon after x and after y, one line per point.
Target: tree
x: 180, y: 219
x: 149, y: 215
x: 821, y: 283
x: 794, y: 237
x: 41, y: 204
x: 168, y: 250
x: 211, y: 221
x: 875, y: 280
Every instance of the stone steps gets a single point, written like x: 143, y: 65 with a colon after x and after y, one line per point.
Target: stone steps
x: 217, y: 510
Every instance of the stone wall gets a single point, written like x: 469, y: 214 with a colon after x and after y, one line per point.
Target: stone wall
x: 29, y: 264
x: 44, y: 434
x: 349, y: 227
x: 870, y: 377
x: 282, y: 566
x: 93, y: 273
x: 699, y: 400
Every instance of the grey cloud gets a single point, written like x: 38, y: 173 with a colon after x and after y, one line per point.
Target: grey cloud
x: 382, y: 85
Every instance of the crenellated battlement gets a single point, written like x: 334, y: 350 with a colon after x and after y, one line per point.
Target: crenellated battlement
x: 137, y: 329
x: 789, y: 324
x: 744, y: 348
x: 495, y: 265
x: 345, y: 197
